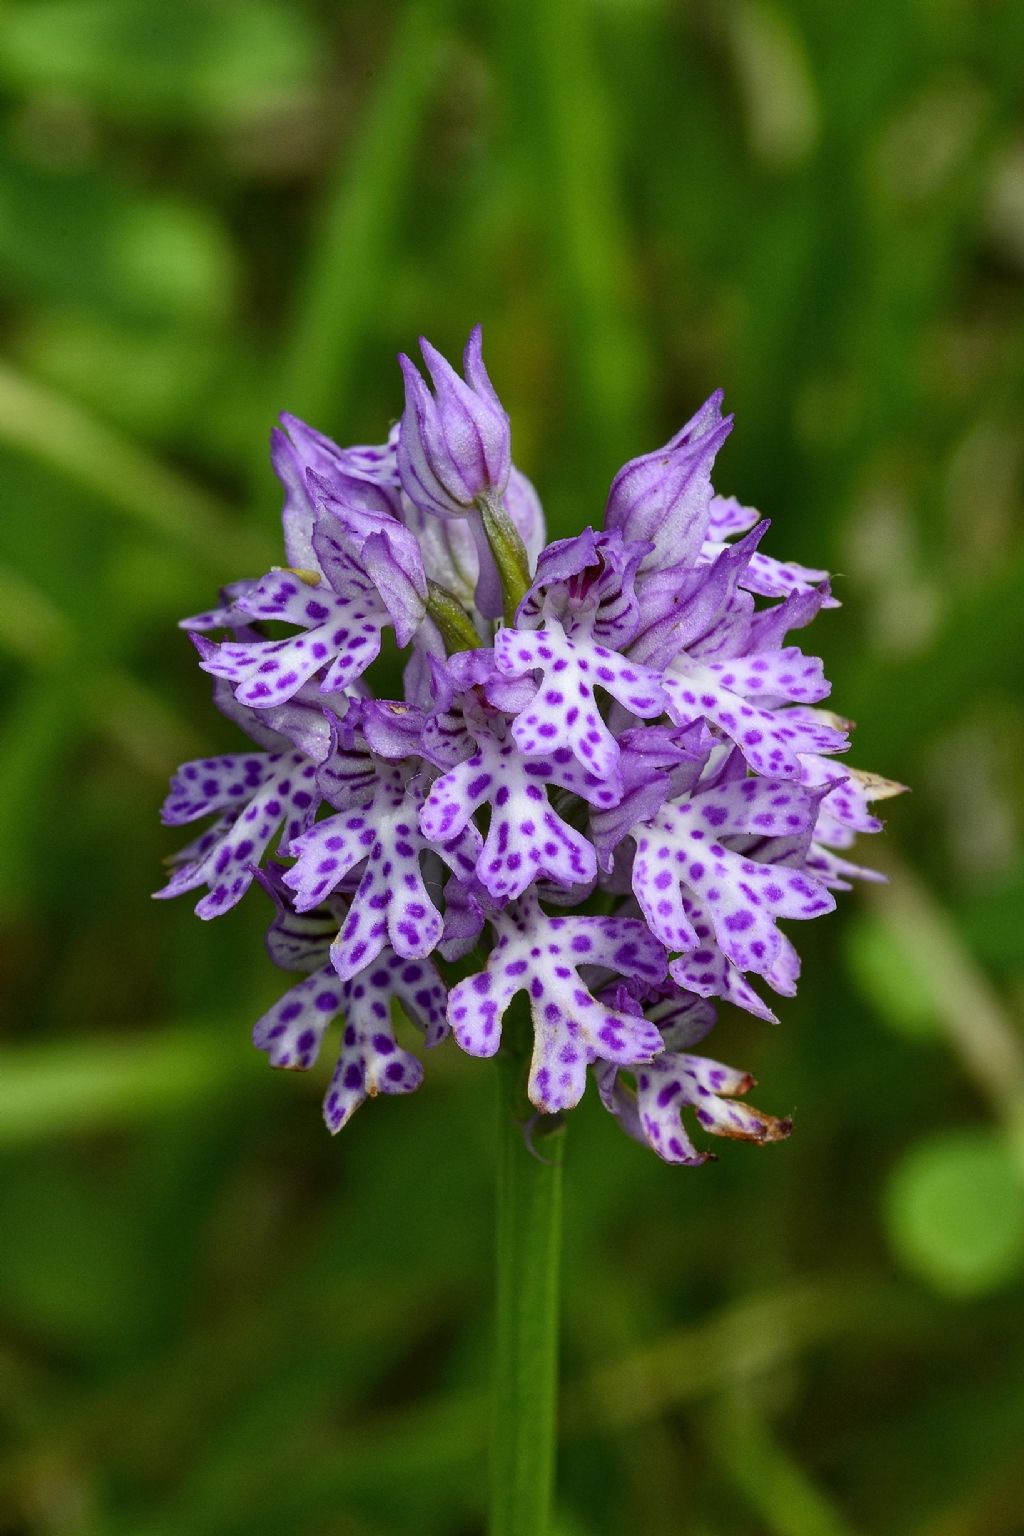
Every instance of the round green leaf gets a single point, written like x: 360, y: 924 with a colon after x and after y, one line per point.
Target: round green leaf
x: 892, y: 977
x: 955, y: 1212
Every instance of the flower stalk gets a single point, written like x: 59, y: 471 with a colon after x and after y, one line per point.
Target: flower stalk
x: 451, y: 618
x: 506, y: 546
x: 529, y: 1208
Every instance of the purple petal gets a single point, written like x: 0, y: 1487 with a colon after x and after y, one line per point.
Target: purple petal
x: 543, y: 955
x: 664, y: 498
x: 526, y: 839
x: 453, y: 446
x: 564, y: 711
x: 226, y: 864
x: 683, y: 853
x: 770, y: 739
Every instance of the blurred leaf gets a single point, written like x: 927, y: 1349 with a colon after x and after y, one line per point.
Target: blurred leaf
x: 67, y: 1087
x: 955, y: 1212
x: 34, y: 737
x: 958, y: 1428
x: 752, y: 1337
x: 81, y: 238
x: 344, y: 267
x: 974, y: 1019
x: 31, y: 626
x: 568, y: 123
x: 783, y: 1496
x: 152, y: 380
x: 211, y: 62
x: 62, y: 435
x: 71, y: 1255
x: 978, y: 648
x: 893, y: 977
x: 776, y: 82
x: 406, y: 1466
x: 992, y: 922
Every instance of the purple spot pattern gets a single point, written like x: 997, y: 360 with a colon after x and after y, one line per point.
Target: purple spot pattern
x: 845, y: 810
x: 260, y: 792
x: 727, y: 517
x: 364, y: 550
x: 525, y: 838
x: 657, y: 764
x: 768, y: 577
x: 673, y: 1081
x: 785, y: 676
x: 686, y: 851
x: 542, y: 956
x: 708, y: 972
x: 391, y: 904
x: 588, y: 585
x: 564, y: 711
x: 763, y: 575
x: 370, y: 1061
x: 843, y: 813
x: 340, y: 632
x: 771, y: 739
x: 649, y: 1108
x: 226, y: 612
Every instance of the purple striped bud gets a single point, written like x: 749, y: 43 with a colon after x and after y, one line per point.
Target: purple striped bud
x: 453, y: 446
x: 664, y: 497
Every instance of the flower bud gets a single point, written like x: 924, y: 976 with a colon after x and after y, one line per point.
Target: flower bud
x: 665, y: 496
x: 453, y: 446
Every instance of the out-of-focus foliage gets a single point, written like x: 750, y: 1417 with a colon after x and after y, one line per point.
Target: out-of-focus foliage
x: 213, y: 1319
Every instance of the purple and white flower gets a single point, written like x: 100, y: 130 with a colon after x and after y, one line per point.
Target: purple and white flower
x: 605, y: 811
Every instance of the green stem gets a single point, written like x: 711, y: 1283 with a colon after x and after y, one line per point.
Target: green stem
x: 529, y: 1255
x: 509, y: 553
x: 451, y: 618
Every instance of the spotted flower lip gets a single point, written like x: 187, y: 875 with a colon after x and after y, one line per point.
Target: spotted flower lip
x: 608, y: 812
x: 370, y: 1061
x: 544, y: 956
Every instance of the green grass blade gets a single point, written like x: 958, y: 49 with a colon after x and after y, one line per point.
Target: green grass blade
x: 351, y: 241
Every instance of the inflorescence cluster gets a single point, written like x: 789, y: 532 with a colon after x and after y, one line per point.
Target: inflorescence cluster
x: 608, y: 779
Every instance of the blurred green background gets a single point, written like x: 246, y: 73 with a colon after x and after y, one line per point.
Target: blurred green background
x: 214, y: 1320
